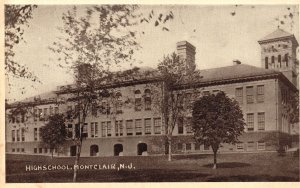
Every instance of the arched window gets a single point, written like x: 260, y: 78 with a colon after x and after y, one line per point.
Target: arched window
x: 137, y: 100
x: 286, y: 59
x: 119, y: 102
x: 147, y: 99
x: 266, y: 62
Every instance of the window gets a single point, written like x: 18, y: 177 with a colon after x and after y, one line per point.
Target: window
x: 179, y: 100
x: 13, y: 135
x: 22, y: 150
x: 85, y: 130
x: 104, y: 107
x: 129, y: 127
x: 45, y: 150
x: 261, y: 145
x: 240, y: 146
x: 261, y: 121
x: 96, y: 129
x: 94, y: 110
x: 189, y: 125
x: 205, y: 93
x: 22, y: 118
x: 70, y: 131
x: 179, y: 146
x: 119, y: 128
x: 18, y: 135
x: 266, y: 63
x: 40, y: 150
x: 250, y: 122
x: 148, y: 126
x: 35, y: 134
x: 138, y: 100
x: 18, y: 149
x: 260, y: 93
x: 249, y: 92
x: 23, y: 134
x: 108, y: 128
x: 273, y: 61
x: 279, y: 61
x: 13, y: 150
x: 239, y: 95
x: 46, y: 113
x: 77, y: 130
x: 103, y: 128
x: 119, y: 102
x: 197, y: 146
x: 35, y: 150
x: 250, y: 146
x: 147, y: 99
x: 188, y: 146
x: 138, y: 127
x: 41, y: 118
x: 40, y: 133
x: 92, y: 130
x: 206, y: 147
x: 286, y: 59
x: 35, y: 114
x: 157, y: 126
x: 180, y: 125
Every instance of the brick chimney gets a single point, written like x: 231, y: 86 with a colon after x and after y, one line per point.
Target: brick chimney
x: 186, y: 51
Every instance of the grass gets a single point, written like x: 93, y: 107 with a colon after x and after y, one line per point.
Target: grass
x: 183, y: 168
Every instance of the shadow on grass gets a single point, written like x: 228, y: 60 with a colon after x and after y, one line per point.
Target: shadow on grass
x: 248, y: 178
x: 202, y: 156
x: 227, y: 165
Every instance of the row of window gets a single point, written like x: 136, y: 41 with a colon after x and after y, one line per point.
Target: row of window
x: 260, y: 121
x: 18, y: 150
x: 44, y: 150
x: 43, y: 114
x: 18, y: 135
x: 239, y: 146
x: 250, y: 94
x: 279, y: 61
x: 131, y: 127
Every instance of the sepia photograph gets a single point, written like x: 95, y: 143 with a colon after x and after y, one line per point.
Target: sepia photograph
x: 100, y: 93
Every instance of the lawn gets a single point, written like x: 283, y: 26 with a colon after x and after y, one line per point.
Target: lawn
x: 183, y: 168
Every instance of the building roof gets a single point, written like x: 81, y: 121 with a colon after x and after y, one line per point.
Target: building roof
x: 278, y: 34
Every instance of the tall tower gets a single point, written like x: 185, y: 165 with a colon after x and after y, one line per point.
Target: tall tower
x: 278, y: 52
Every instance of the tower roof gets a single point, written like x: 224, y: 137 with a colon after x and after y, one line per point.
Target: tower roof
x: 278, y: 34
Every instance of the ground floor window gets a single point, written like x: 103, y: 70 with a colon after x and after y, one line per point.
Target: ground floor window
x: 197, y: 146
x: 179, y: 146
x: 250, y: 146
x: 206, y: 147
x: 188, y: 146
x: 240, y: 146
x: 35, y: 150
x: 261, y: 145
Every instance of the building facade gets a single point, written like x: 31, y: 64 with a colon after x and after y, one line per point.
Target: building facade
x: 132, y: 124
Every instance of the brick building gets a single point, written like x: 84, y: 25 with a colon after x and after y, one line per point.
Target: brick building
x: 137, y: 127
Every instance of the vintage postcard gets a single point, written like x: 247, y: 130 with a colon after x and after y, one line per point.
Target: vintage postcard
x: 110, y: 93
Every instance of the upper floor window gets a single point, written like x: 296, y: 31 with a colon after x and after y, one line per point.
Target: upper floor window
x: 46, y: 114
x: 13, y: 135
x: 273, y: 61
x: 179, y: 100
x: 119, y: 128
x: 22, y: 134
x: 103, y: 129
x: 18, y: 135
x: 56, y: 110
x: 51, y: 111
x: 129, y: 127
x: 41, y: 118
x: 35, y: 134
x: 189, y: 125
x: 286, y: 59
x: 85, y: 130
x: 250, y: 122
x: 261, y: 121
x: 180, y: 125
x: 239, y: 95
x: 249, y: 93
x: 137, y: 100
x: 108, y: 128
x: 260, y: 93
x: 70, y: 131
x: 266, y: 62
x: 157, y: 126
x: 279, y: 61
x: 147, y: 126
x: 119, y: 102
x: 138, y: 127
x: 147, y: 99
x: 188, y: 100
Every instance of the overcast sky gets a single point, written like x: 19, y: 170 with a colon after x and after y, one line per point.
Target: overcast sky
x: 219, y: 38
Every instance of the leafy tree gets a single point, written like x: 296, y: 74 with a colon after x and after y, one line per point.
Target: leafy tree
x: 16, y: 17
x: 54, y: 133
x: 173, y: 72
x: 217, y: 119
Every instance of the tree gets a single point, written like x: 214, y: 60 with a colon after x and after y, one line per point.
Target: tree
x: 16, y: 17
x: 54, y: 133
x: 173, y: 72
x: 217, y: 119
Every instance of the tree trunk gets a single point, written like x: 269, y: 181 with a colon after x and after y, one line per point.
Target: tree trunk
x: 78, y: 149
x: 170, y: 149
x: 215, y: 160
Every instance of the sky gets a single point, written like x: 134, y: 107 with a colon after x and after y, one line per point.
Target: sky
x: 219, y: 38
